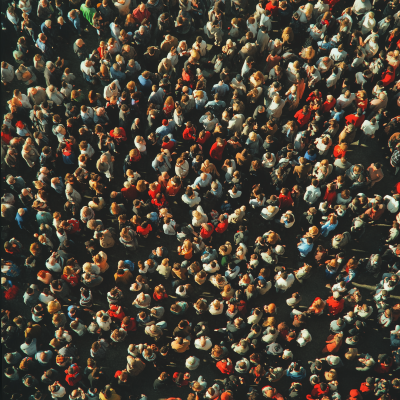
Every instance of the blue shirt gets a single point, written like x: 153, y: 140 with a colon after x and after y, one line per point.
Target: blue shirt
x: 305, y: 247
x: 130, y: 265
x: 117, y: 74
x: 199, y: 182
x: 23, y: 219
x: 76, y: 23
x: 145, y: 84
x: 222, y: 90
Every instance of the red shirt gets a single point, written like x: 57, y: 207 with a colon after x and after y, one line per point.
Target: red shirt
x: 363, y: 104
x: 144, y: 231
x: 216, y: 151
x: 71, y: 279
x: 355, y: 120
x: 129, y: 193
x: 338, y: 152
x: 285, y: 202
x: 168, y: 145
x: 74, y: 226
x: 204, y: 138
x: 121, y: 137
x: 206, y: 234
x: 131, y: 326
x: 161, y: 296
x: 387, y: 78
x: 312, y: 96
x: 189, y: 134
x: 222, y: 226
x: 365, y: 389
x: 140, y: 16
x: 334, y: 306
x: 75, y: 377
x: 153, y: 193
x: 172, y: 190
x: 330, y: 197
x: 302, y: 119
x: 274, y: 9
x: 6, y: 137
x: 112, y: 312
x: 328, y: 105
x: 224, y: 367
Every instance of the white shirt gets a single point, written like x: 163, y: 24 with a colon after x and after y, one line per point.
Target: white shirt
x: 368, y: 128
x: 345, y: 102
x: 284, y: 284
x: 210, y: 269
x: 207, y: 345
x: 392, y: 205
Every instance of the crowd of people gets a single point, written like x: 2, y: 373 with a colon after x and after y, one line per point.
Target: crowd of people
x: 174, y: 170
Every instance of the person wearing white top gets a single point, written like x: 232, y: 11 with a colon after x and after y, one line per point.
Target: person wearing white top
x: 112, y: 89
x: 344, y: 100
x: 361, y: 7
x: 275, y: 108
x: 268, y: 162
x: 212, y: 267
x: 338, y: 54
x: 283, y: 281
x: 369, y: 128
x: 392, y: 204
x: 266, y: 21
x: 303, y: 338
x: 200, y: 47
x: 367, y: 23
x: 203, y: 343
x: 45, y: 298
x: 216, y: 307
x: 53, y: 265
x: 364, y: 311
x: 270, y: 335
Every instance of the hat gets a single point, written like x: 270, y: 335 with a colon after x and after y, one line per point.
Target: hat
x: 351, y: 353
x: 239, y: 77
x: 164, y: 122
x: 154, y: 328
x: 336, y: 294
x: 314, y: 230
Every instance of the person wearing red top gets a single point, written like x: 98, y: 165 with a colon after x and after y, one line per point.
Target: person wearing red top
x: 340, y: 150
x: 330, y: 193
x: 320, y: 389
x: 356, y: 119
x: 144, y: 229
x: 303, y: 116
x: 72, y: 226
x: 159, y: 201
x: 181, y: 379
x: 223, y: 223
x: 159, y: 293
x: 154, y: 189
x: 335, y: 304
x: 388, y: 76
x: 128, y: 324
x: 6, y: 135
x: 74, y: 375
x: 273, y: 6
x: 140, y: 13
x: 116, y: 312
x: 225, y: 366
x: 118, y: 134
x: 129, y: 191
x: 168, y: 143
x: 316, y: 94
x: 72, y: 279
x: 174, y: 186
x: 203, y: 137
x: 217, y: 149
x: 190, y: 132
x: 367, y: 386
x: 328, y: 104
x: 206, y: 231
x: 285, y: 199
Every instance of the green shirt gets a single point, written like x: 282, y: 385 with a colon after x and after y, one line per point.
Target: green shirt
x: 88, y: 13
